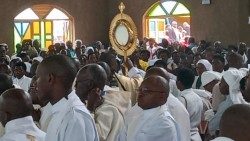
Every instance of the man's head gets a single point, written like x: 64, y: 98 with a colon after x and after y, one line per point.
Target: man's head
x: 37, y: 45
x: 5, y: 83
x: 161, y: 64
x: 202, y: 66
x: 19, y: 70
x: 235, y: 122
x: 153, y: 92
x: 69, y: 44
x: 33, y: 92
x: 235, y: 60
x: 78, y: 43
x: 5, y: 69
x: 209, y: 54
x: 174, y: 24
x: 55, y: 76
x: 164, y: 54
x: 144, y: 55
x: 218, y: 63
x: 90, y: 77
x: 185, y: 78
x: 246, y: 93
x: 2, y: 51
x: 176, y: 57
x: 14, y: 104
x: 106, y: 67
x: 110, y: 59
x: 209, y: 79
x: 242, y: 48
x: 158, y: 71
x: 92, y: 58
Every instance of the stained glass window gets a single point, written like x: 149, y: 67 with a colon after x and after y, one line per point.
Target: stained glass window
x: 157, y: 11
x: 169, y: 8
x: 27, y: 14
x: 38, y: 22
x: 169, y: 5
x: 57, y: 14
x: 180, y: 9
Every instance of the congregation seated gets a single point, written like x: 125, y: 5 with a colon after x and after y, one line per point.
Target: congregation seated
x: 85, y: 92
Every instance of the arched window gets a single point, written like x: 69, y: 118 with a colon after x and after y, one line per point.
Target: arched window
x: 161, y: 15
x: 44, y: 22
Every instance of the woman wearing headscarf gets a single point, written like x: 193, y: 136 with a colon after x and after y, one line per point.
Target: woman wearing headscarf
x: 201, y: 66
x: 229, y: 86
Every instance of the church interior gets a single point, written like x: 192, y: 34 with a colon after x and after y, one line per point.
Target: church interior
x: 124, y: 70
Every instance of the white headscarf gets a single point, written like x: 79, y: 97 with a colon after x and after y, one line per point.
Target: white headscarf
x: 232, y: 78
x: 39, y: 59
x: 209, y: 76
x: 206, y: 63
x: 87, y: 50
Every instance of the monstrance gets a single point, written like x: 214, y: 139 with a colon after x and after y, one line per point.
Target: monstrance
x: 123, y: 33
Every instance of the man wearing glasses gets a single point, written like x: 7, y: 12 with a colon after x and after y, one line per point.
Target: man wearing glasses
x: 149, y: 119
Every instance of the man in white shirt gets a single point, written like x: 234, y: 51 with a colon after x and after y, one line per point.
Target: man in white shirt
x: 192, y: 102
x: 107, y: 105
x: 16, y: 108
x: 235, y: 123
x: 20, y: 78
x: 175, y: 107
x: 149, y: 119
x: 70, y: 118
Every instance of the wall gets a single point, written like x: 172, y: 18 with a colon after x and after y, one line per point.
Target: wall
x: 244, y: 13
x: 90, y: 18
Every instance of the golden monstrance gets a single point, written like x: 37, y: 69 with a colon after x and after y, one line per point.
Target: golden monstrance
x: 123, y: 33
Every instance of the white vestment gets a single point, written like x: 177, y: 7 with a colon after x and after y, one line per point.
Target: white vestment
x: 149, y: 125
x: 22, y: 129
x: 46, y: 115
x: 181, y: 116
x: 109, y: 117
x: 173, y: 88
x: 71, y: 121
x: 131, y: 83
x: 194, y: 106
x: 217, y: 97
x: 24, y: 82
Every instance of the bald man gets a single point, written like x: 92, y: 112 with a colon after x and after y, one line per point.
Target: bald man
x: 107, y: 104
x: 16, y: 108
x: 149, y: 119
x: 71, y: 121
x: 175, y: 107
x: 235, y: 123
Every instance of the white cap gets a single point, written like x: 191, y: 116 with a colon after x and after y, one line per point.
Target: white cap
x: 39, y: 59
x: 209, y: 76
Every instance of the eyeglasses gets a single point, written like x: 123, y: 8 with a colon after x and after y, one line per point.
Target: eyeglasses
x: 147, y: 91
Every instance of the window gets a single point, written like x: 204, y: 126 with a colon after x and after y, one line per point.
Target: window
x: 45, y: 23
x: 162, y: 14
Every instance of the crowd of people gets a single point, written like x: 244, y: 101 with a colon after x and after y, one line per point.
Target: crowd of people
x: 163, y: 91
